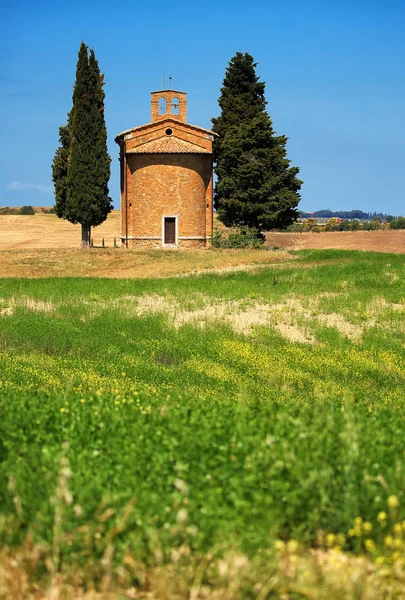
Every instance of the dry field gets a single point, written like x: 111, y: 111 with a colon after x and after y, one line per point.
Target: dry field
x: 128, y: 264
x: 371, y: 241
x: 44, y: 246
x: 47, y: 231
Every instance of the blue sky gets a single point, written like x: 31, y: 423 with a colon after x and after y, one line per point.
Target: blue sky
x: 334, y: 74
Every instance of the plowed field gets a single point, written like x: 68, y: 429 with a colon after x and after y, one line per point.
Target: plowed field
x: 372, y: 241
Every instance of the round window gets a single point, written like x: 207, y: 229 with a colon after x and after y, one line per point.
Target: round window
x: 169, y: 131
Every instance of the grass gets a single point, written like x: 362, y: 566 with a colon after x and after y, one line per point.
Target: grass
x: 127, y: 263
x: 147, y: 424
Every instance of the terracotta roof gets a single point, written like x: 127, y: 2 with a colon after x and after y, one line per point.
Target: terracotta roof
x: 166, y: 145
x: 162, y: 123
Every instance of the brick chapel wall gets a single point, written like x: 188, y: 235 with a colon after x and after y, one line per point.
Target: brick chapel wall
x: 168, y: 184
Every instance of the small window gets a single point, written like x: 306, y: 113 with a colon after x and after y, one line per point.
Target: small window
x: 169, y: 131
x: 175, y: 106
x: 162, y: 106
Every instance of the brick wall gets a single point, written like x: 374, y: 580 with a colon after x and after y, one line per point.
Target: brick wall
x: 168, y: 184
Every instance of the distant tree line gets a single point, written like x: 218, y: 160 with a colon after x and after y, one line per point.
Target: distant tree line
x: 313, y: 225
x: 345, y: 214
x: 25, y: 210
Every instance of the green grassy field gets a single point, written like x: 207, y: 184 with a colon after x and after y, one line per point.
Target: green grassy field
x: 240, y: 410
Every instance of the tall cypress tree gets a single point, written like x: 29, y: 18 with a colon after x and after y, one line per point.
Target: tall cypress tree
x: 60, y: 168
x: 100, y: 137
x: 81, y: 189
x: 255, y: 184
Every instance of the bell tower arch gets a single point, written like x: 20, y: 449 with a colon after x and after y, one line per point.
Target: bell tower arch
x: 169, y: 104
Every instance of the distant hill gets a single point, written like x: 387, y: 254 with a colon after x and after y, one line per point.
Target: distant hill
x: 16, y: 210
x: 344, y: 214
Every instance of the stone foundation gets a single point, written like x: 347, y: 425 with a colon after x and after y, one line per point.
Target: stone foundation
x: 142, y: 243
x: 183, y: 244
x: 192, y: 244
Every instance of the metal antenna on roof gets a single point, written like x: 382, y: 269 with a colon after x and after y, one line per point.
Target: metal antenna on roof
x: 170, y: 82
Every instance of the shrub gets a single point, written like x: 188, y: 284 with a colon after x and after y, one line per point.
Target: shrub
x: 372, y: 225
x: 296, y: 227
x: 6, y: 210
x: 355, y: 225
x: 310, y: 223
x: 242, y: 237
x: 345, y: 226
x: 398, y: 223
x: 26, y: 210
x: 332, y: 224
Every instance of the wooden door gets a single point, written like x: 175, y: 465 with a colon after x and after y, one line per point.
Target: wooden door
x: 170, y: 230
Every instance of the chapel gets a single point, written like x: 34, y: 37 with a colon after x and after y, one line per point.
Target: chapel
x: 166, y: 178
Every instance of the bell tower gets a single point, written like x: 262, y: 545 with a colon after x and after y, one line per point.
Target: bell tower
x: 169, y: 104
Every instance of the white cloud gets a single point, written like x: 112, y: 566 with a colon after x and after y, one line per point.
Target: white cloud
x: 18, y: 186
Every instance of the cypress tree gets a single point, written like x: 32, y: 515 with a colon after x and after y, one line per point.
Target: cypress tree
x: 81, y: 191
x: 60, y: 168
x: 255, y: 184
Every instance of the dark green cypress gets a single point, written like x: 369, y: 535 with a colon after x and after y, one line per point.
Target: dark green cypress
x: 60, y: 168
x: 84, y: 196
x: 255, y: 184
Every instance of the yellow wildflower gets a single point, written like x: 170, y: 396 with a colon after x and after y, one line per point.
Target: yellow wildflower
x: 393, y: 501
x: 397, y: 529
x: 369, y: 544
x: 367, y: 526
x: 292, y: 545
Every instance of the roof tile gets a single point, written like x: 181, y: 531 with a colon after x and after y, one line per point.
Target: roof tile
x: 168, y: 145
